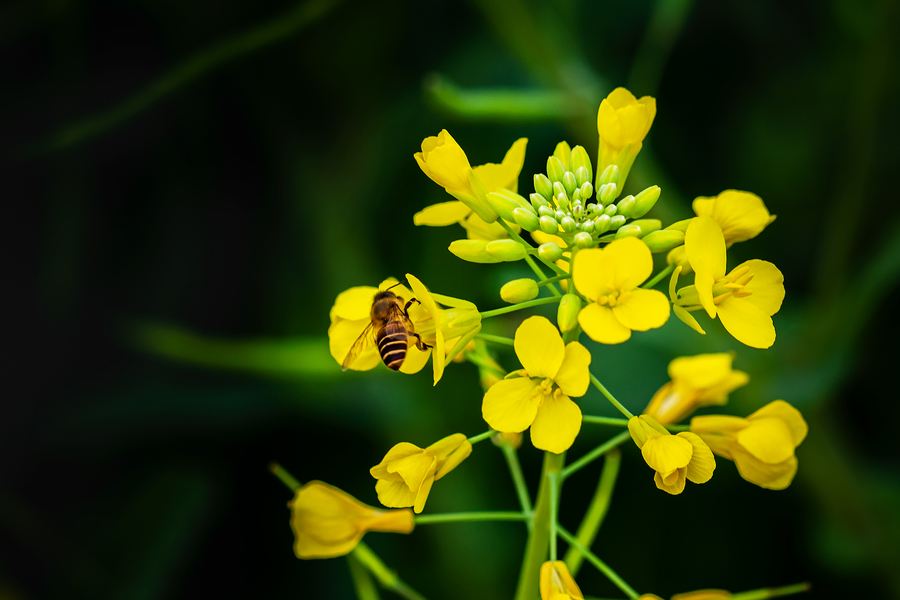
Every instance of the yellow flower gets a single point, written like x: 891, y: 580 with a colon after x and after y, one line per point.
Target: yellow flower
x: 609, y: 279
x: 761, y: 446
x: 703, y: 595
x: 328, y: 522
x: 445, y: 163
x: 622, y: 122
x: 675, y: 458
x: 740, y: 215
x: 623, y: 119
x: 406, y: 473
x: 557, y: 583
x: 439, y: 327
x: 744, y: 300
x: 539, y: 395
x: 649, y: 597
x: 696, y: 381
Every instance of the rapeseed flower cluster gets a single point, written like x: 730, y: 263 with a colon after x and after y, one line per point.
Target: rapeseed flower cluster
x: 597, y: 262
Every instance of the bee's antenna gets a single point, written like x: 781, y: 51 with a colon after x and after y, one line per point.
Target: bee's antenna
x: 393, y: 286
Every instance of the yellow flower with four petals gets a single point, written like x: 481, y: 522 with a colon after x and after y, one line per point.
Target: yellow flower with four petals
x: 406, y: 473
x: 761, y: 445
x: 539, y: 395
x: 610, y: 278
x: 675, y: 458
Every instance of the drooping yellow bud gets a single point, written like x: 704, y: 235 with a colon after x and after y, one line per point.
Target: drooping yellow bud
x: 329, y: 522
x: 519, y: 290
x: 622, y: 122
x: 557, y: 583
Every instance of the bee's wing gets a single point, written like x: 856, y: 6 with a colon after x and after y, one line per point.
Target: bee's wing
x: 365, y: 341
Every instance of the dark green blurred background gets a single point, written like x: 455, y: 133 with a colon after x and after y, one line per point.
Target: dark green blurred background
x: 191, y: 184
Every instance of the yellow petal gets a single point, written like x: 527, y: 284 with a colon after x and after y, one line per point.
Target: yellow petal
x: 667, y: 453
x: 397, y: 452
x: 701, y: 370
x: 776, y: 476
x: 542, y: 238
x: 631, y: 260
x: 510, y: 405
x: 703, y: 463
x: 768, y: 439
x: 478, y: 229
x: 415, y: 360
x: 673, y: 484
x: 642, y: 309
x: 442, y: 214
x: 450, y: 452
x: 717, y: 424
x: 354, y: 304
x: 767, y: 286
x: 557, y: 582
x: 705, y: 249
x: 506, y: 174
x: 414, y: 469
x: 444, y: 161
x: 740, y: 215
x: 429, y: 308
x: 601, y: 325
x: 557, y: 424
x: 592, y: 272
x: 394, y: 493
x: 747, y: 323
x: 539, y: 347
x: 342, y: 334
x: 573, y: 377
x: 791, y: 416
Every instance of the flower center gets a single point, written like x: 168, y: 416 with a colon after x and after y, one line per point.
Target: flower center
x: 733, y: 284
x: 611, y: 298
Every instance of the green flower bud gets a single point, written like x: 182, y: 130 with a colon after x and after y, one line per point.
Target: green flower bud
x: 626, y: 206
x: 611, y: 210
x: 567, y: 313
x: 569, y: 182
x: 577, y: 210
x: 548, y: 225
x: 568, y: 224
x: 616, y: 221
x: 579, y: 159
x: 647, y: 225
x: 559, y: 188
x: 681, y: 225
x: 504, y: 202
x: 537, y: 200
x: 583, y: 239
x: 555, y: 169
x: 601, y: 224
x: 607, y: 193
x: 664, y: 240
x: 558, y: 215
x: 644, y: 201
x: 586, y: 225
x: 576, y: 196
x: 543, y: 186
x: 550, y: 252
x: 609, y: 175
x: 562, y: 201
x: 546, y: 211
x: 472, y: 251
x: 587, y: 190
x: 526, y: 219
x: 564, y: 153
x: 506, y: 250
x: 519, y: 290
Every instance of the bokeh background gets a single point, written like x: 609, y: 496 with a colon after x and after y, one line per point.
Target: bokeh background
x: 190, y: 184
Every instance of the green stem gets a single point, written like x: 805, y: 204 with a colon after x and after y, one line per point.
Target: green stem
x: 595, y: 454
x: 554, y: 482
x: 460, y: 345
x: 614, y: 421
x: 496, y: 339
x: 601, y: 566
x: 659, y: 277
x: 515, y: 470
x: 787, y: 590
x: 520, y: 306
x: 540, y: 273
x: 385, y: 576
x: 610, y: 397
x: 481, y: 436
x: 596, y: 511
x: 539, y: 536
x: 470, y: 517
x: 554, y: 279
x: 362, y: 580
x: 286, y: 478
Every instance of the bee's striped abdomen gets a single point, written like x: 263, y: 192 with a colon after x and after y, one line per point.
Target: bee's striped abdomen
x: 392, y: 341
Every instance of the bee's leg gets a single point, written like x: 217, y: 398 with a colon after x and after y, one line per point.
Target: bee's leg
x: 421, y: 345
x: 408, y: 304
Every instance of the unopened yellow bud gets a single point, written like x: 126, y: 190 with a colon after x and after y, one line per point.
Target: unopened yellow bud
x: 555, y: 169
x: 505, y: 250
x: 543, y: 186
x: 564, y: 153
x: 548, y: 224
x: 639, y: 228
x: 525, y: 218
x: 519, y: 290
x: 567, y: 313
x: 504, y: 202
x: 664, y: 240
x: 645, y: 201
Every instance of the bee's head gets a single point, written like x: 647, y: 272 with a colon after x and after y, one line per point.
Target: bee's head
x: 383, y: 294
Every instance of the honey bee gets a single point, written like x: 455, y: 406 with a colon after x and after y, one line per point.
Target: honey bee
x: 390, y: 329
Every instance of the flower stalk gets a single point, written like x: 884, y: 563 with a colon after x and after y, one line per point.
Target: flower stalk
x: 597, y: 509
